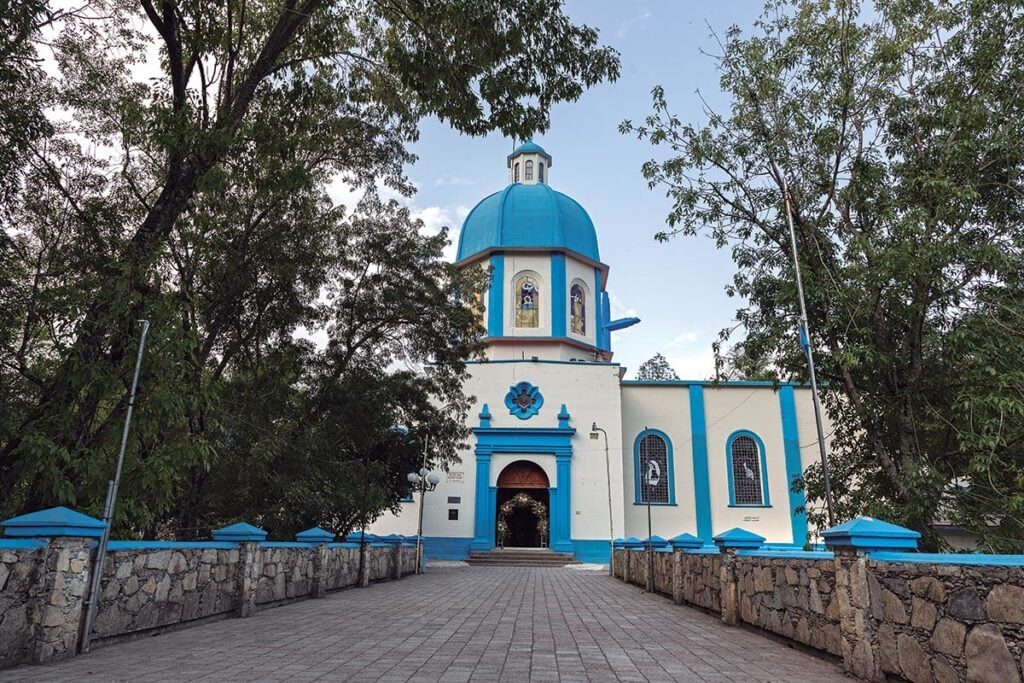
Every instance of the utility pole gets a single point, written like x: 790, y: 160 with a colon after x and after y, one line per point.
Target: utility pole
x: 111, y: 502
x: 808, y: 346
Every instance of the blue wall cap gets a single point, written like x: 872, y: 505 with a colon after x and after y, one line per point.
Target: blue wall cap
x: 685, y: 541
x: 617, y: 543
x: 242, y: 531
x: 632, y: 542
x: 315, y: 535
x: 394, y: 539
x: 356, y: 537
x: 868, y: 533
x: 738, y: 538
x: 656, y: 541
x: 58, y: 521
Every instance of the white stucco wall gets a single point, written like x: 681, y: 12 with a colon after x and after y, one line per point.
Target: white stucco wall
x: 666, y: 408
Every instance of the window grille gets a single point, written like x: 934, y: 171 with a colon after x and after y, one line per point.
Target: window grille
x: 529, y: 170
x: 746, y: 472
x: 654, y: 482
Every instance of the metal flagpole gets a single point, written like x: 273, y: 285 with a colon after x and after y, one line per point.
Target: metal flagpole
x: 111, y: 502
x: 805, y: 342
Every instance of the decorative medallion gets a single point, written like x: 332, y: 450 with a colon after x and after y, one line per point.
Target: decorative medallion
x: 523, y: 400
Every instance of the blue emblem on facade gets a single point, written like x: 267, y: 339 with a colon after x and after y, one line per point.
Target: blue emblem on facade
x: 523, y: 400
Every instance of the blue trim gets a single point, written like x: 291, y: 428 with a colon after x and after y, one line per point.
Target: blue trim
x: 794, y: 468
x: 766, y: 500
x: 701, y: 478
x: 22, y: 543
x: 446, y: 547
x: 287, y: 544
x: 555, y: 441
x: 789, y: 554
x: 541, y: 360
x: 597, y: 551
x: 114, y: 546
x: 318, y: 535
x: 685, y: 541
x: 559, y: 293
x: 711, y: 383
x: 669, y: 465
x: 978, y: 559
x: 496, y: 296
x: 481, y: 532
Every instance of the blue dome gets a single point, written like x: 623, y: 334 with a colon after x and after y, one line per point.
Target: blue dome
x: 528, y: 217
x: 529, y: 147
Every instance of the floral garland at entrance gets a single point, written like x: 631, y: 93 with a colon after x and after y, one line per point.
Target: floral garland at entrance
x: 522, y: 500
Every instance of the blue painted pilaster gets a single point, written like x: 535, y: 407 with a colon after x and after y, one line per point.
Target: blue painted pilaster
x: 559, y: 295
x: 794, y: 468
x: 496, y: 296
x: 481, y: 517
x: 701, y: 480
x: 561, y: 534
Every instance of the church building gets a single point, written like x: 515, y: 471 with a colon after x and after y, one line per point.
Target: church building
x: 564, y: 452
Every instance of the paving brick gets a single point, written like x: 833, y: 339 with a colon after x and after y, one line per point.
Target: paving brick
x: 457, y: 624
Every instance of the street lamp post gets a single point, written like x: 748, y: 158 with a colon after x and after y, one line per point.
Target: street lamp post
x: 425, y: 481
x: 611, y: 519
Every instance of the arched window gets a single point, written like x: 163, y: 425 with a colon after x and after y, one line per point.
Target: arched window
x: 748, y: 483
x: 527, y: 300
x: 515, y: 177
x: 540, y: 171
x: 652, y: 468
x: 529, y: 170
x: 578, y: 310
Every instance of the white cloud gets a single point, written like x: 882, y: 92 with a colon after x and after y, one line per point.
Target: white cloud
x: 436, y: 217
x: 683, y: 339
x: 696, y: 365
x: 453, y: 180
x: 619, y: 309
x: 628, y: 25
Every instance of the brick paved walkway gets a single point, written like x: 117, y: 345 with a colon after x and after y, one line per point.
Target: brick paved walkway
x: 458, y: 624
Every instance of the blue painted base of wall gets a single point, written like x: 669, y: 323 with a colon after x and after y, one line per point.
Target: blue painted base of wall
x: 596, y: 551
x: 446, y: 548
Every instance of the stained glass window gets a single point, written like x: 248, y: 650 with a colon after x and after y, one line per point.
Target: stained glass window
x: 527, y: 302
x: 653, y: 469
x: 578, y: 310
x: 540, y: 171
x: 746, y: 472
x: 529, y: 170
x: 515, y: 178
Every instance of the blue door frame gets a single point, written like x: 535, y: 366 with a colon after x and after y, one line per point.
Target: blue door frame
x: 555, y: 441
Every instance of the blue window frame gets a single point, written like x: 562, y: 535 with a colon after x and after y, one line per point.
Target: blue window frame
x: 747, y: 467
x: 652, y: 452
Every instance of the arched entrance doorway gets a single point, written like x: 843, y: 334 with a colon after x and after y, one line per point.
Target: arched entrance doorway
x: 523, y: 501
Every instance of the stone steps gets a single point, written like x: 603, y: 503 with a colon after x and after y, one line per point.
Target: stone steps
x: 521, y: 557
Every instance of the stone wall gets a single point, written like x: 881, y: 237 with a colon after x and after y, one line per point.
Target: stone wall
x: 920, y: 620
x: 153, y: 587
x: 795, y: 598
x: 948, y: 622
x: 19, y: 576
x: 700, y: 583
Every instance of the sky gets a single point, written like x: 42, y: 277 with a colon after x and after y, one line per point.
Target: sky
x: 677, y: 288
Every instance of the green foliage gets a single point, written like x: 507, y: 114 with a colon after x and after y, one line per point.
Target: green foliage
x: 192, y: 191
x: 897, y: 131
x: 656, y: 368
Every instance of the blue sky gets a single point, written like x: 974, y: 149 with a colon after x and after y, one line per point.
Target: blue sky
x: 675, y: 288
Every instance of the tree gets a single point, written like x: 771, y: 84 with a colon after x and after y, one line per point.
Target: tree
x: 656, y: 368
x: 896, y: 134
x: 196, y: 197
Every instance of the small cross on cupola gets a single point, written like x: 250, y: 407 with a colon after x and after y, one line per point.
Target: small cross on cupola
x: 529, y: 164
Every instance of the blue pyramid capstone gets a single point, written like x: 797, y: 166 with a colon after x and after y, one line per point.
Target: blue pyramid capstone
x: 314, y: 535
x: 685, y: 541
x: 58, y: 521
x: 738, y: 538
x: 868, y: 533
x: 241, y: 531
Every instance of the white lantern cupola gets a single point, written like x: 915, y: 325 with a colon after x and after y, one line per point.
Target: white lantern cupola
x: 529, y: 164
